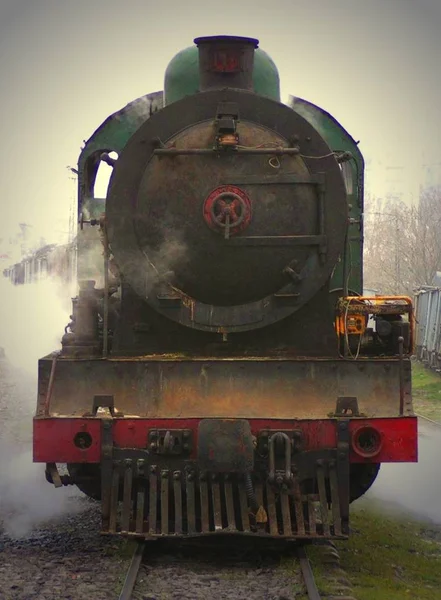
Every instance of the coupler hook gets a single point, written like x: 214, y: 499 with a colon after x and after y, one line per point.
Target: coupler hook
x: 279, y: 477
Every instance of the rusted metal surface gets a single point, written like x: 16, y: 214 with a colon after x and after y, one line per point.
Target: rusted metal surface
x: 323, y: 498
x: 209, y: 151
x: 47, y: 400
x: 140, y: 508
x: 53, y: 475
x: 212, y: 271
x: 285, y: 475
x: 298, y: 505
x: 177, y: 490
x: 347, y: 406
x: 201, y: 178
x: 83, y: 339
x: 342, y: 472
x: 114, y: 494
x: 335, y: 500
x: 127, y: 498
x: 225, y: 445
x: 226, y: 61
x: 205, y: 516
x: 229, y: 501
x: 171, y: 441
x: 170, y: 387
x: 227, y: 210
x: 210, y: 507
x: 108, y: 474
x: 153, y: 490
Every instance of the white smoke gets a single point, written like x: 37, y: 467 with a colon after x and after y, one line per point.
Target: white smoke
x: 413, y: 488
x: 165, y: 265
x: 32, y: 321
x: 26, y: 498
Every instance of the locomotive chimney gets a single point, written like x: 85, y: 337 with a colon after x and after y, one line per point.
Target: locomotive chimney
x: 226, y: 61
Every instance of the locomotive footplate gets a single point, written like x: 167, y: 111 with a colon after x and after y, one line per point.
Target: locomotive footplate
x: 149, y: 501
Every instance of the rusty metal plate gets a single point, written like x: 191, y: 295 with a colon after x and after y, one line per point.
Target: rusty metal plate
x: 225, y: 445
x: 169, y: 387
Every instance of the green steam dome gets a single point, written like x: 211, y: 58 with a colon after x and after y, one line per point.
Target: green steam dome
x: 182, y: 75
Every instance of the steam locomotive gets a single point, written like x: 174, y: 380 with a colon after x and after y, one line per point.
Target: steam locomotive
x: 222, y: 372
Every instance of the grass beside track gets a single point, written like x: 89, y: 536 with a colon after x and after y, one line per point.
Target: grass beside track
x: 391, y: 558
x: 385, y: 558
x: 426, y: 392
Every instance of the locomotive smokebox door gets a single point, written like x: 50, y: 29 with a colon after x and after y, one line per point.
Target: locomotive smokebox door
x: 225, y: 446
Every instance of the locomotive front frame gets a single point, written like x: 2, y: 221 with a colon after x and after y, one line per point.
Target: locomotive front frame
x: 301, y: 469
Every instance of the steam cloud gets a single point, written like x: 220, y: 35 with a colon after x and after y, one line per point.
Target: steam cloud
x: 413, y: 488
x: 171, y: 255
x: 32, y: 320
x: 91, y: 261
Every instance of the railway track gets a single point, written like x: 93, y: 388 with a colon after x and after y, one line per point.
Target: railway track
x: 308, y: 575
x: 296, y: 552
x: 132, y: 573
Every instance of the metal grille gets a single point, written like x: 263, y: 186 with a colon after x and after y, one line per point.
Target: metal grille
x: 176, y: 503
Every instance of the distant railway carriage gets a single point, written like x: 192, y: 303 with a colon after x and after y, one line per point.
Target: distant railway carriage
x: 53, y: 260
x: 220, y: 373
x: 428, y: 323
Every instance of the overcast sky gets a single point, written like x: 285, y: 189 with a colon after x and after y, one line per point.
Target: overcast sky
x: 65, y: 66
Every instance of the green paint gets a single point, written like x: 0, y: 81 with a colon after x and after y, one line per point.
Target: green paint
x: 182, y: 75
x: 338, y: 139
x: 266, y: 76
x: 111, y: 136
x: 117, y: 129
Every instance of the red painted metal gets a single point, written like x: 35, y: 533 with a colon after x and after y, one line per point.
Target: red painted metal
x: 226, y: 61
x: 240, y: 216
x: 399, y: 437
x: 53, y: 437
x: 372, y: 436
x: 54, y: 440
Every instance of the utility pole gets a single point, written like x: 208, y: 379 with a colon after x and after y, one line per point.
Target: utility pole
x: 72, y: 205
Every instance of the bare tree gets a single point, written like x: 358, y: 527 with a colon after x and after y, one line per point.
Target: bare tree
x: 402, y: 243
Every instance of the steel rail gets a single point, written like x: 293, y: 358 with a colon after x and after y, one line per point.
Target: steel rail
x: 132, y: 573
x: 135, y: 563
x: 308, y: 575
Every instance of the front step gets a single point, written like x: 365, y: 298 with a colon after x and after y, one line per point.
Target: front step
x: 179, y: 503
